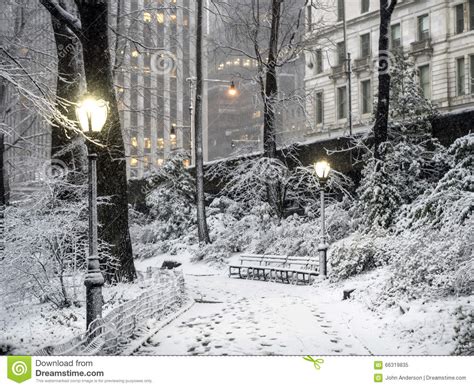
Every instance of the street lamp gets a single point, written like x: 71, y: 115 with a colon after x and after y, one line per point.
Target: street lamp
x: 92, y: 115
x: 232, y: 90
x: 322, y: 169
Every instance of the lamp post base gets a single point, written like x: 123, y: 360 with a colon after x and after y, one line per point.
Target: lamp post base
x: 93, y: 281
x: 323, y: 249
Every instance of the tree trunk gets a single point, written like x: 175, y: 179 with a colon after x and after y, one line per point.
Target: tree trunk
x: 381, y: 118
x: 67, y: 92
x: 2, y: 197
x: 271, y: 85
x: 203, y: 231
x: 270, y: 100
x: 111, y: 166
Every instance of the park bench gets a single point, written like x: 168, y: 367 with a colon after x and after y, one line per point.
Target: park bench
x: 289, y: 269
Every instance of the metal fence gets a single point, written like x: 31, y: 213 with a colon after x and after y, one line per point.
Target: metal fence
x: 113, y: 332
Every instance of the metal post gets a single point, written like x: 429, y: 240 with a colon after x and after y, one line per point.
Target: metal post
x: 94, y: 279
x: 191, y: 115
x: 323, y: 247
x: 349, y: 90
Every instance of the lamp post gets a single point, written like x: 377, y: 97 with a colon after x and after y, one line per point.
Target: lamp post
x: 322, y: 169
x: 92, y: 115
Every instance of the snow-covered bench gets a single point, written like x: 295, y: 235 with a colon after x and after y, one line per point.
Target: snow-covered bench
x: 290, y: 269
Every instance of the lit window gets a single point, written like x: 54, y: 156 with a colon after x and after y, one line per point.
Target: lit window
x: 135, y: 54
x: 147, y: 17
x: 366, y: 96
x: 424, y: 79
x: 173, y: 17
x: 460, y: 76
x: 145, y: 161
x: 160, y: 17
x: 160, y: 143
x: 159, y: 162
x: 247, y: 63
x: 133, y: 162
x: 257, y: 114
x: 186, y: 163
x: 134, y: 142
x: 237, y: 62
x: 221, y: 66
x: 341, y: 103
x: 147, y: 143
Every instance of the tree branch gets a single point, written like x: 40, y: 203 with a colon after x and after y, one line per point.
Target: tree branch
x: 58, y: 12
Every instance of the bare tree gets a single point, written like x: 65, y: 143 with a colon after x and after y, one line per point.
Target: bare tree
x: 92, y: 30
x: 381, y: 117
x: 268, y: 32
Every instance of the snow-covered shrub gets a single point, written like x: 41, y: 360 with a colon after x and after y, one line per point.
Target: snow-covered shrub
x: 46, y: 244
x: 172, y: 202
x: 247, y: 180
x: 431, y: 263
x: 171, y: 222
x: 379, y: 198
x: 451, y: 202
x: 464, y: 332
x: 358, y: 254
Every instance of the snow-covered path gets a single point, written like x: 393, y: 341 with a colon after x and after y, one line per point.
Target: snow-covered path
x: 245, y: 317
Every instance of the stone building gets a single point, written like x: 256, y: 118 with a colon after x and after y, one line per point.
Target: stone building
x: 437, y: 35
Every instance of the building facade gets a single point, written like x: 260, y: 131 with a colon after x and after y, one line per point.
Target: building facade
x: 154, y: 51
x: 436, y: 35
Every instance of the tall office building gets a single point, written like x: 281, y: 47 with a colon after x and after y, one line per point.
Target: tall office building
x: 154, y: 50
x: 437, y: 35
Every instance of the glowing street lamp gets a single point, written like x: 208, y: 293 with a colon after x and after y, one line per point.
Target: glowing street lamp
x: 232, y: 90
x: 92, y: 116
x: 322, y: 169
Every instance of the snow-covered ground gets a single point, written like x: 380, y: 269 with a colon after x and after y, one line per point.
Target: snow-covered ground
x: 232, y: 316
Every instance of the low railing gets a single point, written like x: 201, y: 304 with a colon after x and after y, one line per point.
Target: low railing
x: 110, y: 334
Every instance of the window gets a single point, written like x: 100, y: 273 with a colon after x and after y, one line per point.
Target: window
x: 365, y: 4
x: 460, y: 77
x: 340, y: 10
x: 423, y: 27
x: 366, y: 96
x: 319, y: 61
x: 319, y: 107
x: 147, y: 142
x: 365, y: 45
x: 341, y: 103
x: 341, y: 53
x: 459, y: 12
x: 133, y: 162
x: 471, y: 14
x: 396, y: 36
x: 472, y: 73
x: 424, y: 78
